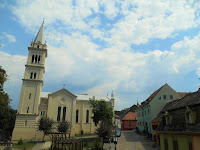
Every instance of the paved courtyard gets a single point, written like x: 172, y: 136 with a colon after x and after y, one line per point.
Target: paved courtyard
x: 130, y: 140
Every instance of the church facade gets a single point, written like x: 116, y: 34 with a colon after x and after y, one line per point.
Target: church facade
x: 61, y: 105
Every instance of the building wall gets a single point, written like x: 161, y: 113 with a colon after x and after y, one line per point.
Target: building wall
x: 196, y: 142
x: 25, y: 127
x: 158, y: 104
x: 181, y: 138
x: 129, y: 126
x: 155, y: 135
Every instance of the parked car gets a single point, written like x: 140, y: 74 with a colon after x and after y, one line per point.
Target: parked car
x: 118, y: 133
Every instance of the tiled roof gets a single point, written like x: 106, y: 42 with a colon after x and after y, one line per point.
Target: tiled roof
x: 177, y: 110
x: 79, y: 97
x: 187, y: 100
x: 182, y: 94
x: 130, y: 116
x: 158, y: 118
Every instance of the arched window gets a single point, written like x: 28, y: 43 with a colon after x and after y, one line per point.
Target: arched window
x: 87, y: 116
x: 76, y: 116
x: 30, y: 96
x: 64, y: 113
x: 34, y: 75
x: 27, y: 109
x: 38, y: 46
x: 32, y: 58
x: 25, y: 122
x: 31, y: 76
x: 58, y: 116
x: 36, y: 59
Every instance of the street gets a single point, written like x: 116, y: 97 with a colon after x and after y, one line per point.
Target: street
x: 130, y: 140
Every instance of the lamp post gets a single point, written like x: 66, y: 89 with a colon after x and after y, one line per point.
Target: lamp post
x: 115, y: 141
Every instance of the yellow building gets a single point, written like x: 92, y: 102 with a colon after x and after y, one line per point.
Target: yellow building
x: 60, y: 105
x: 179, y: 128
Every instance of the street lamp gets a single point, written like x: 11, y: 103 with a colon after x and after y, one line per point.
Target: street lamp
x: 115, y: 141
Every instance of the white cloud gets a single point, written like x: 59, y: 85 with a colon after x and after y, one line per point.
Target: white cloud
x: 74, y: 57
x: 11, y: 38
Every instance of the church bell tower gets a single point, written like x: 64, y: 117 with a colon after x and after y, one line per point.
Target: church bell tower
x: 33, y: 77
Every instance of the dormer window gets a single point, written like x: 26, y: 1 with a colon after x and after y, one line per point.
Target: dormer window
x: 168, y: 118
x: 189, y: 117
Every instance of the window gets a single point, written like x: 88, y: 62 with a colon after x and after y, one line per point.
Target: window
x: 166, y: 144
x: 160, y: 98
x: 32, y: 58
x: 76, y: 116
x: 64, y: 113
x: 36, y: 59
x: 164, y: 96
x: 30, y: 96
x: 145, y: 112
x: 42, y: 113
x: 38, y: 46
x: 171, y: 97
x: 148, y: 111
x: 27, y: 109
x: 31, y: 76
x: 175, y: 144
x: 25, y: 122
x: 58, y: 116
x: 34, y: 75
x: 142, y: 113
x: 87, y: 116
x: 129, y: 123
x: 189, y: 118
x: 190, y: 143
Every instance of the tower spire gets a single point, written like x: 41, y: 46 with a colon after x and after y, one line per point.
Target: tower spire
x: 40, y: 35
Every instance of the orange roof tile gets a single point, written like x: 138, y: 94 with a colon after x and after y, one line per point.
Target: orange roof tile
x: 131, y: 116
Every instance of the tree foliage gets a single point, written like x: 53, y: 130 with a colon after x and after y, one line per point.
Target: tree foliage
x: 64, y: 127
x: 7, y: 114
x: 102, y: 111
x: 45, y: 125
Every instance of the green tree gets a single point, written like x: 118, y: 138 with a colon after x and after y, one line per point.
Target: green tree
x: 45, y: 125
x: 103, y: 115
x: 64, y: 127
x: 7, y: 114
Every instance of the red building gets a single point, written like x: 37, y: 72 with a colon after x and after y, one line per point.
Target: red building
x: 129, y: 122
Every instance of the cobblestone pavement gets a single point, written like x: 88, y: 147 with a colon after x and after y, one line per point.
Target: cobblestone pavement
x: 130, y: 140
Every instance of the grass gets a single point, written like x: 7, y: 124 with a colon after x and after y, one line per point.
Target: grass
x: 92, y: 143
x: 26, y: 145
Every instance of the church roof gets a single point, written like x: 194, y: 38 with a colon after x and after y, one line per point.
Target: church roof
x: 87, y: 97
x: 40, y: 36
x: 79, y: 96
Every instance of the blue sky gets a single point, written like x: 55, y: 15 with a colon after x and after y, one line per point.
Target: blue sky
x: 94, y: 47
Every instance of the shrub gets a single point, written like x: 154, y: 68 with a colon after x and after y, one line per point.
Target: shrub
x: 20, y: 141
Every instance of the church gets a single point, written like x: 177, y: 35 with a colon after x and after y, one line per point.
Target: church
x: 61, y: 105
